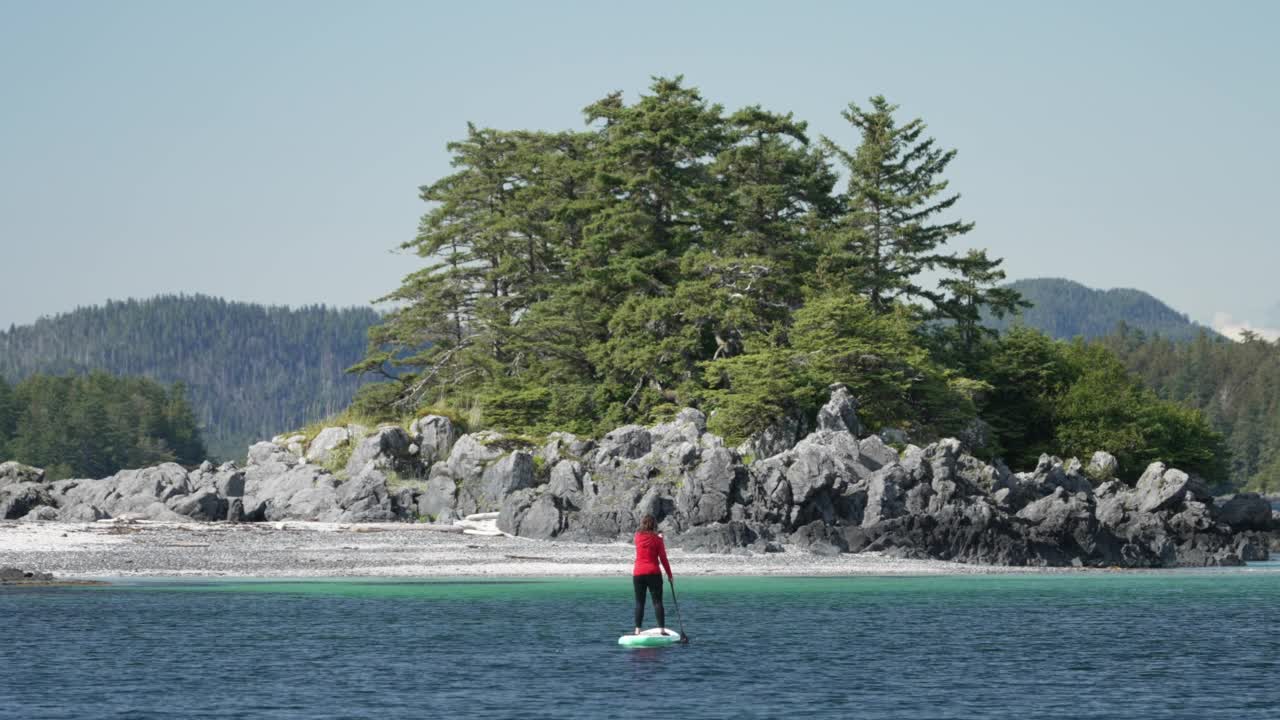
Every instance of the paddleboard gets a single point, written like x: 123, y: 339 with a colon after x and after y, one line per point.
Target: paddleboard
x: 653, y: 637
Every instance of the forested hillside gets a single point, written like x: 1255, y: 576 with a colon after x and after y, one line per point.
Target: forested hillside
x: 1236, y: 384
x: 1066, y: 309
x: 250, y: 371
x: 94, y: 425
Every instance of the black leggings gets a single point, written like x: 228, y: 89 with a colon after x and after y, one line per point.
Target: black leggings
x: 652, y: 583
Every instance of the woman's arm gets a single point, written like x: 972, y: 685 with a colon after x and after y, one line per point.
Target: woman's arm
x: 662, y: 555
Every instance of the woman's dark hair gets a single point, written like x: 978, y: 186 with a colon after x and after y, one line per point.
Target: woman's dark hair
x: 648, y: 524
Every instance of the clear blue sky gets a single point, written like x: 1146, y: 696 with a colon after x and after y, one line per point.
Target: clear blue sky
x: 271, y: 151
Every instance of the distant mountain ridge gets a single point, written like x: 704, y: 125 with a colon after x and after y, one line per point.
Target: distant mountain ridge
x: 1066, y: 309
x: 250, y: 370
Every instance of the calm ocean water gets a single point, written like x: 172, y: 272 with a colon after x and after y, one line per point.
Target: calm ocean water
x: 1091, y: 645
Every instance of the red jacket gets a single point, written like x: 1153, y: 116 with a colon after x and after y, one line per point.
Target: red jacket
x: 649, y: 550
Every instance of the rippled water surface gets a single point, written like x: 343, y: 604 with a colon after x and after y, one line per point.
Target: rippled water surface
x: 1088, y: 645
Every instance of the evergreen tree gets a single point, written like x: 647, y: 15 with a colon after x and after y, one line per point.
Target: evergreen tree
x: 1027, y: 373
x: 1234, y: 385
x: 886, y: 239
x: 673, y: 254
x: 95, y: 425
x: 838, y: 338
x: 1105, y: 408
x: 250, y: 371
x: 8, y: 414
x: 967, y: 298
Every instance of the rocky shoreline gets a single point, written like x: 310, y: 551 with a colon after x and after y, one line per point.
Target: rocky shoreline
x: 110, y: 550
x: 827, y: 492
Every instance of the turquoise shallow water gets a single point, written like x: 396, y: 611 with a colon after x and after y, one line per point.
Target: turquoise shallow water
x: 1088, y: 645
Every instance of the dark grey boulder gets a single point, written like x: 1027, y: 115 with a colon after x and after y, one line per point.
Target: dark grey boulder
x: 317, y: 504
x: 365, y: 498
x: 886, y: 498
x: 564, y: 446
x: 718, y: 537
x: 41, y: 514
x: 566, y: 482
x: 386, y: 449
x: 404, y: 504
x: 708, y: 491
x: 510, y: 473
x: 1051, y: 473
x: 819, y: 538
x: 1102, y: 467
x: 266, y: 453
x: 625, y: 443
x: 18, y: 499
x: 227, y: 480
x: 1246, y: 511
x: 203, y: 504
x: 439, y: 498
x: 15, y: 472
x: 532, y: 514
x: 601, y: 524
x: 657, y: 502
x: 688, y: 427
x: 1163, y: 488
x: 874, y: 453
x: 1251, y: 548
x: 155, y: 511
x: 82, y: 512
x: 470, y: 455
x: 770, y: 488
x: 434, y: 435
x: 159, y: 483
x: 16, y: 576
x: 840, y: 414
x: 1111, y: 502
x: 777, y: 438
x: 812, y: 470
x: 304, y: 492
x: 326, y: 443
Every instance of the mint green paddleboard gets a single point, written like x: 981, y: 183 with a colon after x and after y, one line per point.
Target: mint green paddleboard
x: 653, y: 637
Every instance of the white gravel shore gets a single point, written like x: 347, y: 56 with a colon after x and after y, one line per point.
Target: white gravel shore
x: 303, y: 549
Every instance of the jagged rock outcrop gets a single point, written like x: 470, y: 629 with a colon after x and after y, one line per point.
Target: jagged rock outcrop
x: 365, y: 498
x: 387, y: 448
x: 482, y: 469
x: 434, y: 435
x: 826, y: 492
x: 19, y: 498
x: 1102, y: 467
x: 532, y: 514
x: 15, y: 472
x: 326, y: 443
x: 1247, y: 511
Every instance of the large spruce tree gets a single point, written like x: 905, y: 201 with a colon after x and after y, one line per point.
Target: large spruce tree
x: 894, y: 227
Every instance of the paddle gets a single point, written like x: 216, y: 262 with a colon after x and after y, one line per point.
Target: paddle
x: 684, y: 637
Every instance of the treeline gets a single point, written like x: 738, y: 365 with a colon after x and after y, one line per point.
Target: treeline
x: 91, y: 426
x: 1235, y: 384
x: 249, y: 370
x: 1066, y: 309
x: 1070, y: 398
x: 673, y: 253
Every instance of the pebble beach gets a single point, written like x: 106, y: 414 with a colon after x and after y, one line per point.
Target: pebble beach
x: 110, y: 549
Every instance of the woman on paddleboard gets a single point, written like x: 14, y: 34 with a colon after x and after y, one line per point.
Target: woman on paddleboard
x: 646, y: 576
